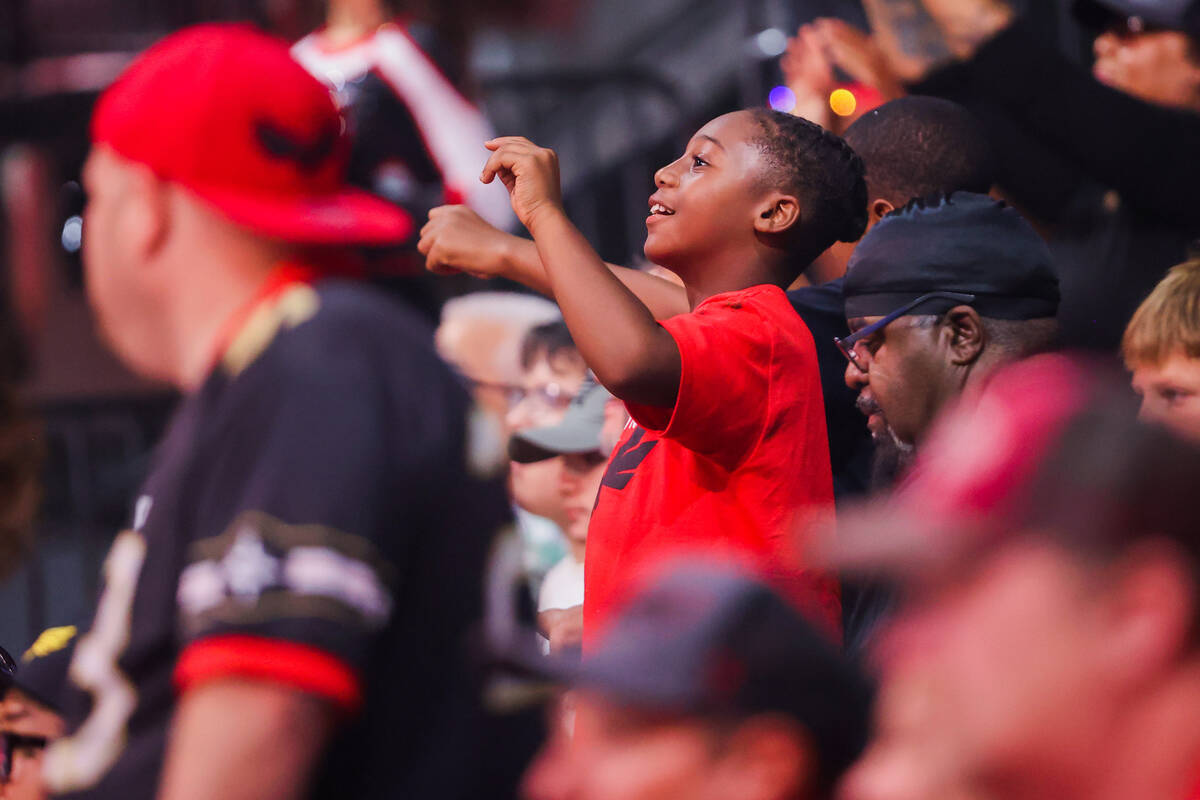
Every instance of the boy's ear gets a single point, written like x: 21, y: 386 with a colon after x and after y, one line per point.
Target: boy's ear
x: 778, y: 213
x: 880, y: 208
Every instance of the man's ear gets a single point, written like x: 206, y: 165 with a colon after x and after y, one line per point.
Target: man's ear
x: 879, y: 208
x: 777, y: 214
x: 146, y: 214
x: 965, y: 329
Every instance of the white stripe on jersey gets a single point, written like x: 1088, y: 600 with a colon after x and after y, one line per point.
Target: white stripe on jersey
x: 454, y: 130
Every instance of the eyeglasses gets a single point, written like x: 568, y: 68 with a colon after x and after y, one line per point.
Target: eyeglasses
x: 847, y: 345
x: 550, y: 396
x: 11, y: 743
x: 8, y: 665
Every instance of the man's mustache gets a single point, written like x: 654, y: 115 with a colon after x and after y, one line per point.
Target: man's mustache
x: 867, y: 405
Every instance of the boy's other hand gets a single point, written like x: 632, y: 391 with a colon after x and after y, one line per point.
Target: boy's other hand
x: 456, y: 239
x: 529, y: 172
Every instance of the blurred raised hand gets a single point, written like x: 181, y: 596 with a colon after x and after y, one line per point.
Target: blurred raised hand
x: 859, y: 56
x: 908, y: 38
x: 808, y: 71
x: 966, y: 24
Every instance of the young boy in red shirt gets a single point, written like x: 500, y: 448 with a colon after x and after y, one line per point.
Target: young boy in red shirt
x: 726, y: 451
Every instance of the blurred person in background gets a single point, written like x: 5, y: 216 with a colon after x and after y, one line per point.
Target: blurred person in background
x: 481, y: 334
x: 1162, y: 349
x: 575, y: 446
x: 707, y: 686
x: 552, y: 374
x: 284, y: 615
x: 415, y: 136
x: 32, y: 713
x: 1047, y: 556
x: 1104, y: 162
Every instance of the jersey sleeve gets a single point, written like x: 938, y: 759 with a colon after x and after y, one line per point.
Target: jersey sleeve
x: 300, y: 523
x: 726, y: 352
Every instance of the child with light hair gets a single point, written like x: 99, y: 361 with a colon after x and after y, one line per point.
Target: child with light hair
x: 1162, y: 349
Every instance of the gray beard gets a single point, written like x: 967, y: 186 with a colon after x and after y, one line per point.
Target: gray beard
x: 891, y: 460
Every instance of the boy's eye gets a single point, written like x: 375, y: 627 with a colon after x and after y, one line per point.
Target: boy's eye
x: 1173, y: 395
x: 697, y: 161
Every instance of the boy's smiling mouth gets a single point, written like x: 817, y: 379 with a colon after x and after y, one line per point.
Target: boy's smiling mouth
x: 658, y: 208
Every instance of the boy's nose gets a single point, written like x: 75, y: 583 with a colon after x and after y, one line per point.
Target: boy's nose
x: 665, y: 176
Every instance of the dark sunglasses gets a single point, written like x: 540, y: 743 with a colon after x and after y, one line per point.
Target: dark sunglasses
x: 848, y: 344
x: 10, y: 743
x: 8, y: 665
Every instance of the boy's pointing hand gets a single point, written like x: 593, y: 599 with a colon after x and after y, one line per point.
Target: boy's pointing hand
x: 530, y: 174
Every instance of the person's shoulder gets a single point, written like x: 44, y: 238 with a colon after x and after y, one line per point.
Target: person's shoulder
x: 337, y: 332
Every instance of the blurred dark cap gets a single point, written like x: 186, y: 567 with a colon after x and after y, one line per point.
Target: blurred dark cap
x: 963, y: 242
x: 709, y: 640
x: 42, y: 673
x: 1176, y: 15
x: 1051, y: 449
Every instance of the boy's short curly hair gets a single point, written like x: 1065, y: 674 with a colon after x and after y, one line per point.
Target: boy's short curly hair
x: 824, y: 173
x: 1168, y: 321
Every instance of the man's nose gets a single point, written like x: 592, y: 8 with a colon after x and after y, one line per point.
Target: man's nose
x: 856, y: 379
x: 1104, y: 44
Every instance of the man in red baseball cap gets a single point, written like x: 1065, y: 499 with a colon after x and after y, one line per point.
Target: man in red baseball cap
x: 1047, y: 639
x: 283, y: 616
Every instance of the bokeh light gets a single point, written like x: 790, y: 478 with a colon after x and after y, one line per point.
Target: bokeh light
x: 72, y: 234
x: 782, y: 98
x: 843, y: 102
x: 771, y: 42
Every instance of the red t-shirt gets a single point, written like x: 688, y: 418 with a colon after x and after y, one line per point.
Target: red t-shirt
x: 732, y: 471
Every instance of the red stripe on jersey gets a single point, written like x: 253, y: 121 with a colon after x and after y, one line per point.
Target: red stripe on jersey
x: 297, y: 665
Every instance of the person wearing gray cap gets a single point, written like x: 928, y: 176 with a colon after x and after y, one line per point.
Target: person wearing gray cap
x: 706, y: 685
x: 581, y: 442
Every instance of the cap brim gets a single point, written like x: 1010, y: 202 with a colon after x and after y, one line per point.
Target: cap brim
x: 348, y: 217
x: 538, y: 444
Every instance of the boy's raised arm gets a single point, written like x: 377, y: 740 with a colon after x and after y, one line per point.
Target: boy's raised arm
x: 631, y: 354
x: 456, y: 239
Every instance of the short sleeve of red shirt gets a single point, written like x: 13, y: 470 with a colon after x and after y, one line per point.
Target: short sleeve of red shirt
x: 725, y: 378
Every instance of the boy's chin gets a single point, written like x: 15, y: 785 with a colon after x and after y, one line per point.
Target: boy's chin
x: 660, y: 255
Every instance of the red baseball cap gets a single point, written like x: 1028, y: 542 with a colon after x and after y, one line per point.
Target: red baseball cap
x: 225, y: 111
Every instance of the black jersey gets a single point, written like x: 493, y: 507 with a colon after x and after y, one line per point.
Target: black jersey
x: 312, y: 518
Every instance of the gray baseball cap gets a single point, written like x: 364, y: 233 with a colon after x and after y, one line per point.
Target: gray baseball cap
x: 579, y: 431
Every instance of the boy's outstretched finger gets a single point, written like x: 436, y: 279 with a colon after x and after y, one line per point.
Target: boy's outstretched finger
x: 501, y: 141
x: 501, y: 160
